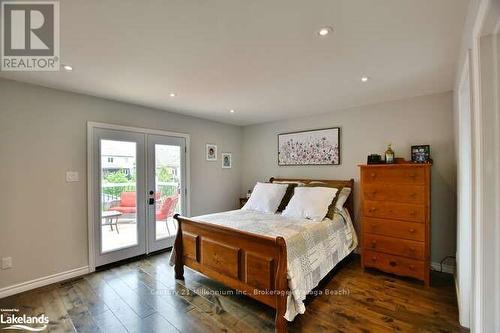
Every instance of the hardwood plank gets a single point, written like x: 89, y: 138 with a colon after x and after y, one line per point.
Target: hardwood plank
x: 143, y: 296
x: 246, y: 320
x: 225, y: 299
x: 214, y: 311
x: 60, y: 320
x: 156, y: 294
x: 77, y: 310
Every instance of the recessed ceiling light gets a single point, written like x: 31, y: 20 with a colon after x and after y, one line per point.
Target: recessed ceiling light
x: 364, y: 78
x: 232, y: 111
x: 68, y: 68
x: 324, y: 31
x: 172, y: 95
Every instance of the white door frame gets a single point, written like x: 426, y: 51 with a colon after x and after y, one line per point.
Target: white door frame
x: 488, y: 15
x: 463, y: 278
x: 91, y: 176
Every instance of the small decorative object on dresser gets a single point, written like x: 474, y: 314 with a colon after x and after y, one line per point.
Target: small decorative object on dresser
x: 227, y: 162
x: 395, y: 208
x: 389, y: 155
x: 211, y: 152
x: 421, y: 154
x: 374, y: 159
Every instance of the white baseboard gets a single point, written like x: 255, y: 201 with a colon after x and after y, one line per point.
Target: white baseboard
x: 43, y: 281
x: 446, y: 268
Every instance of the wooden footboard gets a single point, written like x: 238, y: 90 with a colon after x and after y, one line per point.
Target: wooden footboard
x: 254, y: 265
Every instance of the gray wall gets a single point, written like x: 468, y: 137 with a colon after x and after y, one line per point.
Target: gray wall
x: 365, y: 130
x: 43, y: 219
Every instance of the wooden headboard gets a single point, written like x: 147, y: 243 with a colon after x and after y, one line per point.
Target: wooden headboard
x: 331, y: 183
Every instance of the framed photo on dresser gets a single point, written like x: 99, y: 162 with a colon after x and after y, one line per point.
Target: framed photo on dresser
x: 313, y: 147
x: 420, y: 154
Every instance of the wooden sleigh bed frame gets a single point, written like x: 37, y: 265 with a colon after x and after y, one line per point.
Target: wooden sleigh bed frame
x: 252, y: 264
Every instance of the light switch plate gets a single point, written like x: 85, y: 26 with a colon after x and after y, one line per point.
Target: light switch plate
x: 6, y: 262
x: 72, y: 176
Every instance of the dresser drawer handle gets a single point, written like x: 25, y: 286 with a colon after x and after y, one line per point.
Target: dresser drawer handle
x: 371, y: 210
x: 413, y: 212
x: 374, y: 258
x: 412, y: 175
x: 412, y: 249
x: 412, y: 230
x: 393, y: 263
x: 373, y: 175
x: 374, y: 244
x: 411, y: 267
x: 373, y: 193
x: 413, y: 195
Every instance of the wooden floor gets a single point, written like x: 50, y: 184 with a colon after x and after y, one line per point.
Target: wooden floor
x: 143, y: 296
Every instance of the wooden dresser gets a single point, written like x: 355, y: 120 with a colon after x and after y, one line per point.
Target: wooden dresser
x: 395, y: 210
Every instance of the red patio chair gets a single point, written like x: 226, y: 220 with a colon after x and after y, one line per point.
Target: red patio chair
x: 167, y: 209
x: 127, y: 204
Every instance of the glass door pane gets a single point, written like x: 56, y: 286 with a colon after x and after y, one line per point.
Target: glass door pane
x: 166, y: 174
x: 118, y: 195
x: 167, y: 188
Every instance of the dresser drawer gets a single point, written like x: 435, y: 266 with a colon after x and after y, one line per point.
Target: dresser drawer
x: 395, y: 228
x: 394, y: 192
x: 394, y: 264
x: 392, y: 210
x: 389, y: 245
x: 394, y: 175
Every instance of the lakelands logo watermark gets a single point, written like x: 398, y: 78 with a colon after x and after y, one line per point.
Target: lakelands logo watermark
x: 30, y: 36
x: 14, y: 321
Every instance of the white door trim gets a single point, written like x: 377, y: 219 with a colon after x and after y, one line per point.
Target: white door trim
x: 465, y: 223
x: 477, y: 155
x: 90, y: 174
x: 487, y: 14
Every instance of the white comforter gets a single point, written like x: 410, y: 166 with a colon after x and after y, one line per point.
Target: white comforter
x: 313, y: 248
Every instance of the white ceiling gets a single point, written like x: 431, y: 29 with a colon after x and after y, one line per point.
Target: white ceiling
x: 262, y: 58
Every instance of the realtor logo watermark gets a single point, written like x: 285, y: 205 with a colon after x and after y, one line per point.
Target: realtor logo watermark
x: 10, y: 319
x: 30, y: 36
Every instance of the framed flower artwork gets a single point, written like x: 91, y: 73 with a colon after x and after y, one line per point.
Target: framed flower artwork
x: 315, y: 147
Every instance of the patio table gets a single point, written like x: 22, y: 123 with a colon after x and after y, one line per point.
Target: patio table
x: 110, y: 217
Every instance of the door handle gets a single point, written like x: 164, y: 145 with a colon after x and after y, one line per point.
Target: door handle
x: 151, y: 201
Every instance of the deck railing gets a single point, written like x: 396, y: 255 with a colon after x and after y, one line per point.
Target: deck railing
x: 111, y: 192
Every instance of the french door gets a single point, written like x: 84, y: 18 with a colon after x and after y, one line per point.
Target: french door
x: 166, y: 188
x: 139, y: 185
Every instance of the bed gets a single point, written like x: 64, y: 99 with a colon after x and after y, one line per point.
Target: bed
x: 274, y: 259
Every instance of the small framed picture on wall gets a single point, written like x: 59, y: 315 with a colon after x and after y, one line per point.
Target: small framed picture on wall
x: 227, y: 162
x: 211, y: 152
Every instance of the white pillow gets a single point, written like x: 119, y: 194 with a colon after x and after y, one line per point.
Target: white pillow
x: 310, y: 203
x: 266, y: 197
x: 342, y: 198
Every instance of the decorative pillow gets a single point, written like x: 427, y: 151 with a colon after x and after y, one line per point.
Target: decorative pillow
x: 331, y: 208
x: 310, y: 202
x: 342, y: 197
x: 266, y: 197
x: 288, y: 193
